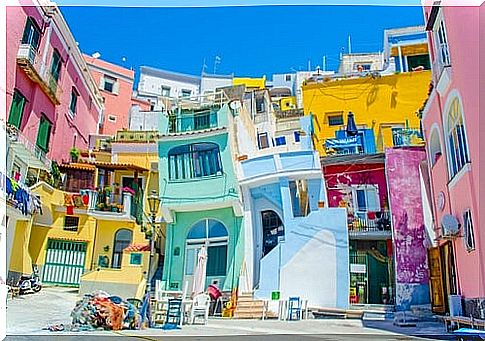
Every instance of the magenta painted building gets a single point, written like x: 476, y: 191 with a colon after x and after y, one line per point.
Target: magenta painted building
x: 51, y: 99
x: 451, y: 126
x: 408, y: 228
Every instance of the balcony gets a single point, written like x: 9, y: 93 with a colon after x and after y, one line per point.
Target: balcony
x: 105, y: 205
x: 407, y: 137
x: 193, y: 121
x: 370, y: 225
x: 31, y: 62
x: 25, y: 150
x: 136, y: 136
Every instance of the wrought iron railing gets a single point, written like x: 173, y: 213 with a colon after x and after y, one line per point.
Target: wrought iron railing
x: 193, y: 122
x: 16, y: 135
x: 370, y: 221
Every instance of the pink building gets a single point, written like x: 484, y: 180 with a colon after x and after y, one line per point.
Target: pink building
x: 52, y: 101
x: 116, y: 85
x: 451, y: 127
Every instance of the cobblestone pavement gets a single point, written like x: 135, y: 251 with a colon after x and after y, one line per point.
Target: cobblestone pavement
x: 29, y: 314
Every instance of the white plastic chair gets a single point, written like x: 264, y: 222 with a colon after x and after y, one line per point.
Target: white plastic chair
x: 200, y: 307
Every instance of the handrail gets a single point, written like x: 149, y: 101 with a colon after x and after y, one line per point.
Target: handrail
x: 16, y: 135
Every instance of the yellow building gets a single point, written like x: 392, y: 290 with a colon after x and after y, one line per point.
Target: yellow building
x: 384, y: 106
x: 287, y: 103
x: 250, y: 83
x: 94, y: 239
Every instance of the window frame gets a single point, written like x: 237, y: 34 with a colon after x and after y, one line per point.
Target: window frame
x: 260, y: 144
x: 468, y: 231
x: 72, y: 111
x: 18, y: 94
x: 55, y: 70
x: 280, y: 141
x: 73, y: 225
x: 109, y: 80
x: 164, y: 89
x: 185, y: 93
x: 194, y: 163
x: 27, y: 39
x: 45, y: 120
x: 333, y: 115
x: 116, y: 251
x: 366, y: 188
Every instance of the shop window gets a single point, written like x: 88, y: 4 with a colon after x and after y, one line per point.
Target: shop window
x: 16, y: 109
x: 194, y: 161
x: 71, y: 223
x: 122, y: 239
x: 468, y: 233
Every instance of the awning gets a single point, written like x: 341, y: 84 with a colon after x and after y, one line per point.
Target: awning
x: 118, y: 166
x: 76, y: 166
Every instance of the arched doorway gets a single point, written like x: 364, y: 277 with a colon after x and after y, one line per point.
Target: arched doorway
x: 214, y: 236
x: 273, y: 229
x: 122, y: 239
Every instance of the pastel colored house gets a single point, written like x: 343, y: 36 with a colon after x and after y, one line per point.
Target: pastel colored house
x: 452, y: 130
x: 116, y: 86
x: 199, y: 194
x: 52, y: 99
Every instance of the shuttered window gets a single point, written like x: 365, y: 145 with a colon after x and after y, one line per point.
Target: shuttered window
x: 44, y: 133
x: 31, y: 34
x: 56, y: 65
x: 216, y: 260
x: 73, y: 104
x: 16, y: 109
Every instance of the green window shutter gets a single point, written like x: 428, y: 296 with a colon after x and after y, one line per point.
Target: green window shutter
x: 16, y: 109
x: 55, y: 65
x: 73, y: 104
x: 44, y: 134
x: 216, y: 260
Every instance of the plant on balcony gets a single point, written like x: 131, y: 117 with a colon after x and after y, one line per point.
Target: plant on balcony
x: 74, y: 152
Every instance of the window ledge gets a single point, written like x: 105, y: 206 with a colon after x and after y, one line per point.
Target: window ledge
x: 457, y: 177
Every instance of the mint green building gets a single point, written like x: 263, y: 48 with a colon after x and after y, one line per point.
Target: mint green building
x: 200, y: 196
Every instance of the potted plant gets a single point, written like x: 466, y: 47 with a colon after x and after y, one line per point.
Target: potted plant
x: 74, y: 152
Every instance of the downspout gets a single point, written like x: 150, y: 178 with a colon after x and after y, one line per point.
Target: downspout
x: 94, y: 245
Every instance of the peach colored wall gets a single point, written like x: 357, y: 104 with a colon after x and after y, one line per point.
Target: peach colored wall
x: 460, y: 194
x: 64, y: 127
x: 115, y: 104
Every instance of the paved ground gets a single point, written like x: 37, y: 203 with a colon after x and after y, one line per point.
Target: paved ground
x: 27, y: 315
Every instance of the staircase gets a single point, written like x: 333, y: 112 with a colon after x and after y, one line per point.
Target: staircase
x: 249, y: 308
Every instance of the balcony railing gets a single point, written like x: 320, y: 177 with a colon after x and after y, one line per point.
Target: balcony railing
x: 289, y: 113
x: 193, y: 122
x: 31, y: 62
x: 407, y: 137
x: 370, y: 222
x: 16, y: 136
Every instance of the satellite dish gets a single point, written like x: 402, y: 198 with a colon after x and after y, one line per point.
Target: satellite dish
x: 235, y: 105
x: 449, y: 225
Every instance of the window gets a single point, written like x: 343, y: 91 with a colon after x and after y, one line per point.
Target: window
x: 43, y: 135
x: 202, y: 120
x: 468, y: 237
x: 397, y: 136
x: 73, y: 104
x: 288, y: 78
x: 260, y: 105
x: 135, y: 259
x: 56, y: 64
x: 297, y: 136
x: 263, y: 141
x: 16, y: 109
x: 194, y: 161
x: 122, y: 240
x: 71, y: 223
x: 273, y: 229
x: 109, y: 84
x: 457, y: 143
x: 366, y: 199
x: 213, y: 235
x: 165, y: 91
x: 442, y: 44
x: 186, y: 93
x: 335, y: 120
x: 434, y: 147
x: 418, y: 60
x: 280, y: 141
x: 31, y: 34
x: 112, y: 118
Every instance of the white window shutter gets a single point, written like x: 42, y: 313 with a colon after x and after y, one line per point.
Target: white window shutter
x: 101, y: 82
x: 373, y: 204
x: 116, y: 87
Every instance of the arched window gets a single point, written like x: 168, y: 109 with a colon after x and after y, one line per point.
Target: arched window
x: 456, y: 137
x: 272, y: 229
x: 122, y: 240
x: 434, y: 146
x: 194, y: 161
x: 213, y: 235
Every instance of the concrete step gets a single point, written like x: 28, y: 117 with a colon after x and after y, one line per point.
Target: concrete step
x: 380, y: 316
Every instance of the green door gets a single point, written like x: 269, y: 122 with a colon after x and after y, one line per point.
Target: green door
x: 64, y: 262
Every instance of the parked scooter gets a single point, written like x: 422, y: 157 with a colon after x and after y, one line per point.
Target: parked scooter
x: 31, y: 282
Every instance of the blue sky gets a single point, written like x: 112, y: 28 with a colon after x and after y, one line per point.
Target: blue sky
x: 251, y: 41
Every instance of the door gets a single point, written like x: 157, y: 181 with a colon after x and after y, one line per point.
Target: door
x: 191, y: 256
x: 438, y: 304
x: 64, y: 262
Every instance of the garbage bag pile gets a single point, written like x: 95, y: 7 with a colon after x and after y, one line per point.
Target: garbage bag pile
x: 100, y: 310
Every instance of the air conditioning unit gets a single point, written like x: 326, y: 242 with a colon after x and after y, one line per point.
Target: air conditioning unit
x: 154, y: 166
